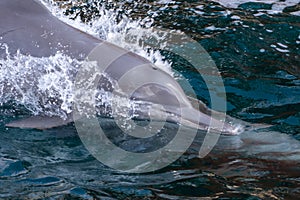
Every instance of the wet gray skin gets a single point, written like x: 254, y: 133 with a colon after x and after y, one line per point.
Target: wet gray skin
x: 27, y: 26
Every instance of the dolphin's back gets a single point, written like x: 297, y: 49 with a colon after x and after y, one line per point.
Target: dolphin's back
x: 26, y: 25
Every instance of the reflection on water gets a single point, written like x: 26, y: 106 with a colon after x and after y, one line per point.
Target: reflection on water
x: 54, y: 163
x: 257, y: 52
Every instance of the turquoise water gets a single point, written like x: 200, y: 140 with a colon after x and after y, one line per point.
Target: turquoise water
x: 257, y: 53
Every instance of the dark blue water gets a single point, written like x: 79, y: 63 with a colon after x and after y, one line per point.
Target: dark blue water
x: 257, y: 53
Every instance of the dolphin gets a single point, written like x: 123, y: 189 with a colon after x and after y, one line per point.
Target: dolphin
x: 26, y: 26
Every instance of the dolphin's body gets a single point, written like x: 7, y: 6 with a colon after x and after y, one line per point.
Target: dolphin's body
x: 27, y: 26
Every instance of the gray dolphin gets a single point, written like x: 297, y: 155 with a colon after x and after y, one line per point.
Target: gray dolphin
x: 27, y: 26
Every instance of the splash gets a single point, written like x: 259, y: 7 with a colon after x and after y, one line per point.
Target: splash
x: 116, y: 27
x: 41, y: 85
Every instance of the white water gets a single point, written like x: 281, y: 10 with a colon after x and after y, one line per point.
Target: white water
x: 46, y: 86
x: 41, y: 85
x: 126, y: 33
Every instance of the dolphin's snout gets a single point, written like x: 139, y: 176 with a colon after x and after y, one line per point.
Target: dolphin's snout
x: 193, y: 118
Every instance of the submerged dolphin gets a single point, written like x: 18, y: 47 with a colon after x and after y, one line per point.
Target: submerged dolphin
x: 27, y: 26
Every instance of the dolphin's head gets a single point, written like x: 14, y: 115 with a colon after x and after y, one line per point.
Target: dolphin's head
x: 164, y: 99
x: 140, y: 80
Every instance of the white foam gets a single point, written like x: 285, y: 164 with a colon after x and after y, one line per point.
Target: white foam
x: 117, y: 32
x: 46, y: 86
x: 42, y: 85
